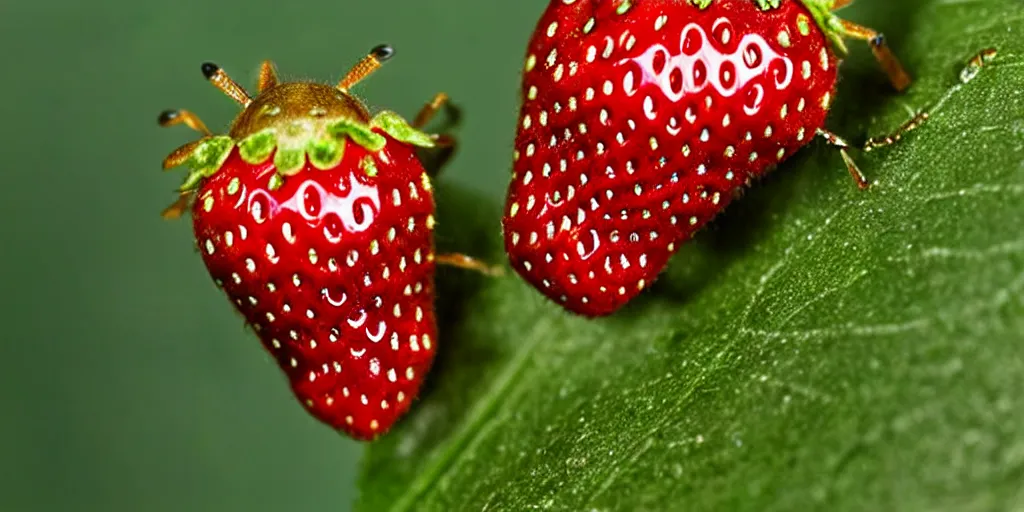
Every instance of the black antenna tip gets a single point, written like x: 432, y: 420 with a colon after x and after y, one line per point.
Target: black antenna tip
x: 382, y: 52
x: 210, y: 69
x: 167, y: 116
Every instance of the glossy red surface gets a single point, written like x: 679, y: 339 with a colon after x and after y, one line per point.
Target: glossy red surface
x: 334, y: 271
x: 636, y: 129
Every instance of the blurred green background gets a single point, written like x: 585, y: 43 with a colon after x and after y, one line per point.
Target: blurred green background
x: 128, y: 383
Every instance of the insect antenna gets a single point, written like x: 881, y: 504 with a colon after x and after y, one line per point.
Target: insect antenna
x: 181, y: 116
x: 366, y: 66
x: 222, y: 81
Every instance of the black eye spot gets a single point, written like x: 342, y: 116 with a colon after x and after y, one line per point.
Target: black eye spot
x: 167, y: 116
x: 383, y: 52
x: 209, y: 69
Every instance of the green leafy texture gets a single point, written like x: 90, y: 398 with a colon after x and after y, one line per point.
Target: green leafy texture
x: 325, y: 153
x: 206, y: 158
x: 256, y: 148
x: 359, y: 133
x: 829, y: 21
x: 289, y: 161
x: 396, y: 126
x: 211, y: 153
x: 818, y: 347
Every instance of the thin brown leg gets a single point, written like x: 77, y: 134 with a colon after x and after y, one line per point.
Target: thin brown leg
x: 839, y: 4
x: 971, y: 70
x: 173, y: 117
x: 182, y: 154
x: 268, y: 76
x: 840, y: 144
x: 894, y: 137
x: 444, y: 141
x: 897, y: 75
x: 435, y: 159
x: 177, y: 208
x: 468, y: 263
x: 978, y: 61
x: 429, y: 110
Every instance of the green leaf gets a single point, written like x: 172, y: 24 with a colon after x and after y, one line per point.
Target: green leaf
x: 817, y: 348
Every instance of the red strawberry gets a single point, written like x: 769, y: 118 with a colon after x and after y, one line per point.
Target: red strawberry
x: 316, y: 220
x: 641, y: 120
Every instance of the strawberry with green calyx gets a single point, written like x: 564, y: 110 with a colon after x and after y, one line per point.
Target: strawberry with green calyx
x: 316, y: 219
x: 641, y: 120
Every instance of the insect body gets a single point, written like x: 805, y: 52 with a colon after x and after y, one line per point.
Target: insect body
x: 316, y: 219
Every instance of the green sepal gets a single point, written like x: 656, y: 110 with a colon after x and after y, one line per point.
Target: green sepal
x: 210, y: 154
x: 206, y: 159
x: 325, y: 153
x: 397, y: 127
x: 256, y: 148
x: 700, y: 4
x: 359, y: 133
x: 289, y: 161
x: 821, y: 11
x: 768, y: 4
x: 191, y: 181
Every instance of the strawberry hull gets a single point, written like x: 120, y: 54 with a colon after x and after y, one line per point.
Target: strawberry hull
x: 638, y: 128
x: 334, y: 272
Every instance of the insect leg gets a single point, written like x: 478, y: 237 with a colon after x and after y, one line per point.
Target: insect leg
x: 182, y: 154
x: 465, y: 262
x: 897, y: 75
x: 435, y: 159
x: 840, y: 144
x: 971, y: 70
x: 894, y: 137
x: 978, y: 61
x: 178, y: 207
x: 173, y: 117
x: 445, y: 144
x: 430, y: 110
